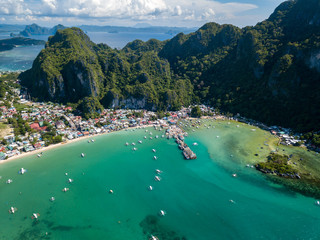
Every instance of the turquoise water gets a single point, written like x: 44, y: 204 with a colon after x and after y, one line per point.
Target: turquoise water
x: 194, y: 194
x: 19, y: 58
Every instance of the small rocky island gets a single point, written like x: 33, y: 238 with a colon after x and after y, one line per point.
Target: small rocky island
x: 11, y: 43
x: 279, y: 165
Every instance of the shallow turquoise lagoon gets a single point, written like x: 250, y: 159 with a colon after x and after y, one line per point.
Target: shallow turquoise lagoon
x: 194, y: 194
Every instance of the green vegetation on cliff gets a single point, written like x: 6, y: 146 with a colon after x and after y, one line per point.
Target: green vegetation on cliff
x: 269, y: 72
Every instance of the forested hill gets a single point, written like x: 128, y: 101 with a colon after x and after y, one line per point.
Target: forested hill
x: 269, y: 72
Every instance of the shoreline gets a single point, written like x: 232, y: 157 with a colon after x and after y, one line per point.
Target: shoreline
x: 43, y: 149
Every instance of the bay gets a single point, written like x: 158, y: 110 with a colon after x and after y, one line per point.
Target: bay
x: 194, y: 194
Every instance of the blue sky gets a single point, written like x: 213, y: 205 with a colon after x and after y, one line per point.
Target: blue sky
x: 187, y: 13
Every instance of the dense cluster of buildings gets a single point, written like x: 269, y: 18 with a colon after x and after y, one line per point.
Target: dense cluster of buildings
x: 44, y: 116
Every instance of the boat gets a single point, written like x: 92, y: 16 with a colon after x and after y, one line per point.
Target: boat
x: 70, y: 180
x: 111, y: 191
x: 88, y: 141
x: 65, y: 189
x: 92, y: 140
x: 153, y: 150
x: 150, y: 188
x: 134, y: 149
x: 12, y: 210
x: 35, y: 215
x: 217, y: 136
x: 52, y: 199
x: 232, y: 201
x: 157, y: 178
x: 195, y: 144
x: 162, y: 213
x: 140, y: 141
x: 153, y: 237
x: 66, y: 174
x: 162, y: 136
x: 82, y: 154
x: 22, y: 171
x: 127, y: 144
x: 317, y: 203
x: 234, y: 175
x: 39, y: 155
x: 133, y: 144
x: 158, y: 171
x: 157, y: 136
x: 151, y: 138
x: 155, y: 157
x: 9, y: 181
x: 145, y: 137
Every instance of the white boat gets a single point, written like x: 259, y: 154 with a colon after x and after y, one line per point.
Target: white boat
x: 158, y: 171
x: 134, y: 149
x: 66, y: 174
x: 92, y: 140
x: 317, y: 203
x: 65, y: 189
x: 127, y: 144
x: 52, y: 199
x: 157, y: 136
x: 150, y: 188
x: 162, y: 213
x: 38, y: 155
x: 140, y: 141
x: 22, y: 171
x: 9, y: 181
x: 162, y: 136
x: 82, y: 154
x: 151, y: 138
x: 70, y: 180
x: 217, y: 136
x: 153, y: 150
x: 155, y: 157
x: 153, y: 238
x: 133, y: 144
x: 232, y: 201
x: 234, y: 175
x: 111, y: 191
x: 145, y: 137
x: 157, y: 178
x: 35, y: 215
x: 195, y: 144
x: 12, y: 210
x: 88, y: 141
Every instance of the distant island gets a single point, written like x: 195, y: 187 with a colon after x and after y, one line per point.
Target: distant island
x: 35, y: 29
x: 11, y: 43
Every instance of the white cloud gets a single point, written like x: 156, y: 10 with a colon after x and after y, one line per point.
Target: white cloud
x: 155, y: 11
x: 14, y: 7
x: 52, y: 4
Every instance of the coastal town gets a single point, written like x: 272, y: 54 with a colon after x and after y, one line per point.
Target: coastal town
x: 35, y: 125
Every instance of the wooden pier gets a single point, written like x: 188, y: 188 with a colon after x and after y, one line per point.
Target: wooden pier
x: 178, y: 134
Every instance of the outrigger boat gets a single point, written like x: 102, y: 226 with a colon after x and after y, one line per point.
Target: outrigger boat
x: 22, y: 171
x: 35, y: 215
x: 12, y: 210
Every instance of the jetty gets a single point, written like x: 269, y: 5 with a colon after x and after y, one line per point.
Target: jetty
x: 178, y: 134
